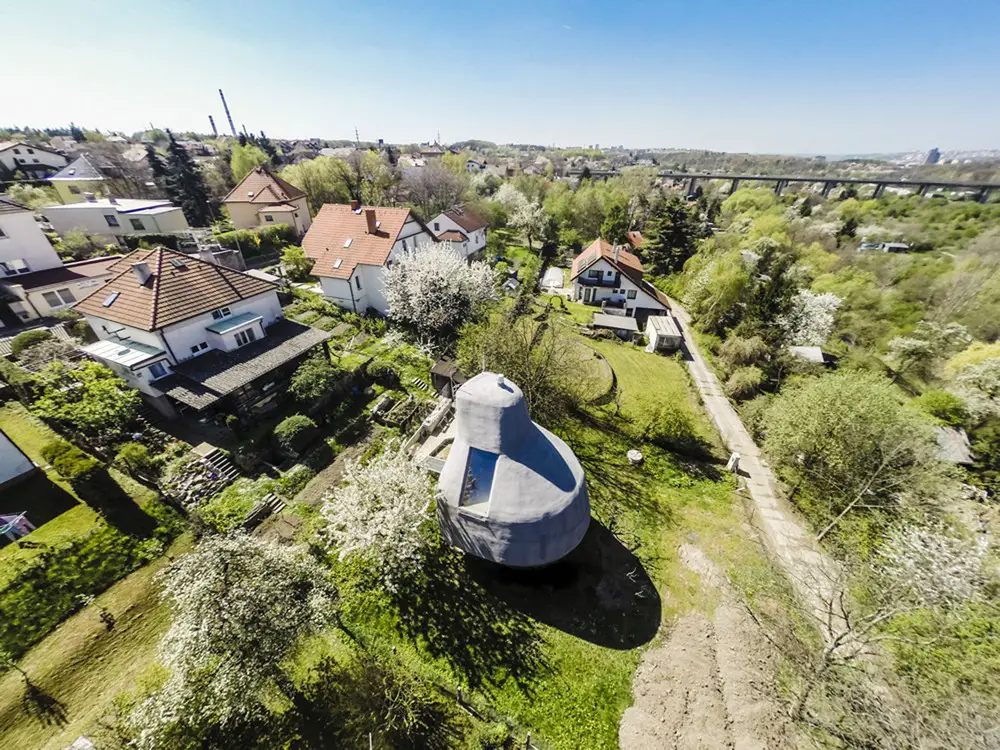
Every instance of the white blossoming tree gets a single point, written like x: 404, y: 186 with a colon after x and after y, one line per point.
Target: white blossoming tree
x: 810, y: 321
x: 927, y: 345
x: 525, y: 216
x: 240, y: 605
x: 927, y: 566
x: 379, y: 513
x: 979, y: 386
x: 434, y: 290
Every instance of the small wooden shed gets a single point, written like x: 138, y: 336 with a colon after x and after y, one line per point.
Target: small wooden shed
x: 663, y: 333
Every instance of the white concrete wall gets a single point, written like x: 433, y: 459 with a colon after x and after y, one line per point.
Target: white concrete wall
x: 29, y: 156
x: 477, y: 239
x: 615, y: 294
x: 90, y: 218
x: 187, y: 333
x: 23, y: 239
x: 372, y: 291
x: 79, y: 290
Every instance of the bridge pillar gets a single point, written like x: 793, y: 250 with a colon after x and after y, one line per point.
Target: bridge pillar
x: 879, y: 189
x: 735, y: 186
x: 827, y: 187
x: 922, y: 190
x: 691, y: 186
x: 779, y: 186
x: 984, y: 195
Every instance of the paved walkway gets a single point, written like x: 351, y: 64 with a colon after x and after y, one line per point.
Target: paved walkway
x: 809, y: 569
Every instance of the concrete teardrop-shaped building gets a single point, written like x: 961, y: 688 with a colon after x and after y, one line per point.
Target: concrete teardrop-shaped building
x: 510, y: 491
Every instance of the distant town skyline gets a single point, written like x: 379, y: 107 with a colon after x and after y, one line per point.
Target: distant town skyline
x: 845, y: 78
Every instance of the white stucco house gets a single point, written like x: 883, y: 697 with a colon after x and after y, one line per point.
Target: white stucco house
x: 262, y: 199
x: 192, y: 335
x: 611, y: 277
x: 353, y: 245
x: 114, y: 217
x: 37, y: 162
x: 34, y: 273
x: 464, y: 230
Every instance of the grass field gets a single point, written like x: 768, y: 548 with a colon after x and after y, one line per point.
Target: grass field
x: 82, y: 665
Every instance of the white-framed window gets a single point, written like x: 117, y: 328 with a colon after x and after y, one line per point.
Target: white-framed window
x: 357, y: 281
x: 609, y: 273
x: 138, y: 225
x: 595, y: 274
x: 17, y: 150
x: 15, y: 266
x: 268, y: 217
x: 222, y: 312
x: 112, y: 220
x: 74, y: 189
x: 437, y: 226
x: 157, y: 370
x: 245, y: 337
x: 199, y: 347
x: 59, y: 297
x: 631, y: 294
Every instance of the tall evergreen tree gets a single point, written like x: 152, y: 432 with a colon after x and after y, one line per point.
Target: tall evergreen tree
x: 268, y: 148
x: 161, y: 174
x: 670, y: 236
x: 187, y: 184
x: 616, y: 225
x: 76, y: 133
x: 242, y: 139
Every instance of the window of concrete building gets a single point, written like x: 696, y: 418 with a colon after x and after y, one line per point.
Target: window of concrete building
x: 112, y: 220
x: 138, y: 225
x: 357, y: 281
x: 222, y: 312
x: 631, y: 294
x: 157, y: 370
x: 74, y: 189
x: 268, y: 217
x: 15, y: 266
x: 245, y: 337
x: 199, y: 347
x: 59, y: 297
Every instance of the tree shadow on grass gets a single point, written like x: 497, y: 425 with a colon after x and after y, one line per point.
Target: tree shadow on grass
x: 101, y: 492
x: 484, y: 639
x: 43, y: 707
x: 600, y: 592
x: 38, y: 497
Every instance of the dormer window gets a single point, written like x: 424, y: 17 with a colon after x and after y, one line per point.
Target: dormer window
x: 222, y: 312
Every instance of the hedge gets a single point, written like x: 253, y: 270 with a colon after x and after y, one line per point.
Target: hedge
x: 294, y: 433
x: 132, y: 241
x: 42, y: 595
x: 27, y: 339
x: 256, y: 242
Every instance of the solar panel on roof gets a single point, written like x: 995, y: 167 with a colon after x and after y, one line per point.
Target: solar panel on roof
x: 110, y: 299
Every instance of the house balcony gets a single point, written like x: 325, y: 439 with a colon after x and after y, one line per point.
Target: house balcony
x: 604, y: 281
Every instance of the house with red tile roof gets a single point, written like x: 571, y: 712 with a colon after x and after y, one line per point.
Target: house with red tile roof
x: 611, y: 277
x: 352, y: 246
x: 194, y: 336
x: 465, y: 230
x: 262, y: 199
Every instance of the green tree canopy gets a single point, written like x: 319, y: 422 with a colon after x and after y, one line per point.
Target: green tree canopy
x: 88, y: 397
x: 245, y: 159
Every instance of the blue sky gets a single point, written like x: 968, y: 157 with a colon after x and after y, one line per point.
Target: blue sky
x: 764, y: 76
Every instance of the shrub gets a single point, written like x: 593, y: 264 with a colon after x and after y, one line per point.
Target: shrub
x: 745, y: 382
x: 81, y: 329
x: 233, y: 423
x: 134, y: 241
x: 28, y: 339
x: 752, y: 413
x: 258, y: 242
x: 314, y: 378
x: 294, y: 433
x: 737, y: 352
x: 50, y: 350
x: 947, y: 407
x: 671, y: 425
x: 135, y: 457
x: 71, y: 463
x: 230, y: 507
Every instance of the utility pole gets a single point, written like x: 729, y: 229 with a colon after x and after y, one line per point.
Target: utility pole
x: 357, y: 140
x: 215, y: 131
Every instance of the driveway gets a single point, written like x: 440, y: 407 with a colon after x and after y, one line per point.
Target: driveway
x: 810, y: 570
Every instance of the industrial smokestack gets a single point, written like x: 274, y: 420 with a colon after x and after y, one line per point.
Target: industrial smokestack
x: 228, y: 116
x: 215, y: 131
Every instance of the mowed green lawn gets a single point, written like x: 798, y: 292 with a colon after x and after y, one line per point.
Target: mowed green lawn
x: 83, y: 665
x: 49, y: 501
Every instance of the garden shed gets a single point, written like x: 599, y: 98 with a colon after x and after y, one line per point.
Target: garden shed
x: 510, y: 491
x: 663, y: 333
x: 623, y: 326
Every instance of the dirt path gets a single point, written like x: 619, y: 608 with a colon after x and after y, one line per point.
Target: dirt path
x: 711, y: 685
x: 808, y: 568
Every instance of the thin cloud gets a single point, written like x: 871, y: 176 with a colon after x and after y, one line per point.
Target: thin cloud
x: 568, y: 28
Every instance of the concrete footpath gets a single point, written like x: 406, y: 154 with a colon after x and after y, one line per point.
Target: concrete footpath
x: 810, y: 570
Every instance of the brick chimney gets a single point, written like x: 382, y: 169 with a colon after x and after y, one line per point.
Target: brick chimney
x: 142, y: 272
x: 355, y: 206
x: 370, y: 218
